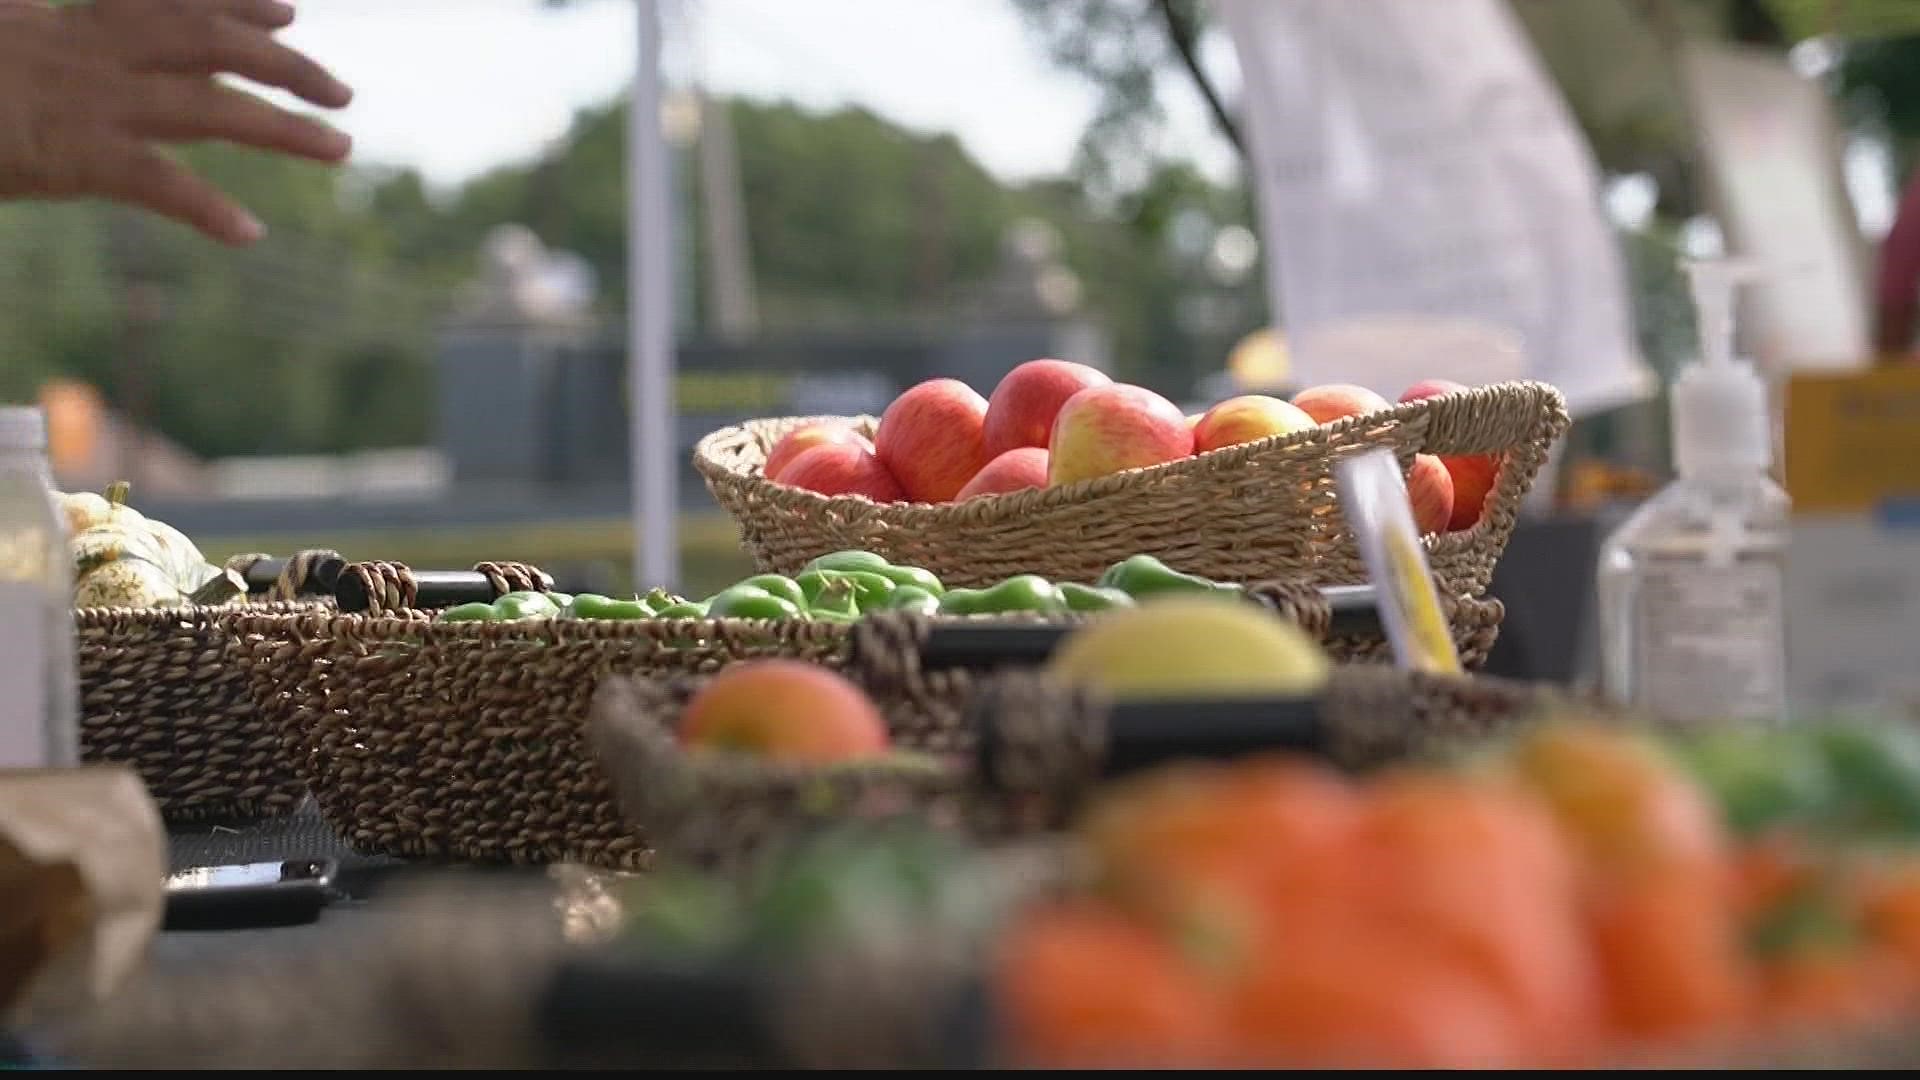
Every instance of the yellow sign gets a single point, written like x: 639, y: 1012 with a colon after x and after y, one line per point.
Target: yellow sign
x: 1412, y: 588
x: 1853, y: 438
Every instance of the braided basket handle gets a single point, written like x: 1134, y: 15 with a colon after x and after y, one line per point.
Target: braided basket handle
x: 509, y: 577
x: 302, y: 574
x: 884, y: 647
x: 389, y: 586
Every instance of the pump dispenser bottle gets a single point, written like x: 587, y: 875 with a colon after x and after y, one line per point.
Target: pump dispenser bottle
x: 1691, y: 588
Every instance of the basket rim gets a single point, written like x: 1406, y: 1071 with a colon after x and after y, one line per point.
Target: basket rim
x: 1034, y: 500
x: 561, y: 630
x: 196, y: 614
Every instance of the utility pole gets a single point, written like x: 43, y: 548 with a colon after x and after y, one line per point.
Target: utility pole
x: 652, y: 416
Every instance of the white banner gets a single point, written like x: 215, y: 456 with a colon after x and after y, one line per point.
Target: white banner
x: 1429, y: 207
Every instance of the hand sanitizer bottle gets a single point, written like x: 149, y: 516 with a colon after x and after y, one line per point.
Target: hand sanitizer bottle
x: 1691, y: 586
x: 39, y: 702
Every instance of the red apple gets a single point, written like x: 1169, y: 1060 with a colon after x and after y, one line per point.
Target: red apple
x: 1427, y: 388
x: 1023, y: 406
x: 1108, y: 429
x: 1473, y: 479
x: 1335, y: 400
x: 842, y: 469
x: 1430, y: 489
x: 1473, y: 474
x: 810, y: 435
x: 1016, y: 470
x: 1246, y: 419
x: 932, y: 439
x: 784, y: 710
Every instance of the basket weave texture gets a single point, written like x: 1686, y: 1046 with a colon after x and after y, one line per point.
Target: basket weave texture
x: 1259, y: 511
x: 722, y: 809
x: 468, y: 740
x: 170, y: 692
x: 176, y: 692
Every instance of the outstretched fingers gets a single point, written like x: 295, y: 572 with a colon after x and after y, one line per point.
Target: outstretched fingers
x: 140, y: 175
x: 185, y: 109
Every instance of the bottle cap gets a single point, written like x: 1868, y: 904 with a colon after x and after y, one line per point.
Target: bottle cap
x: 1721, y: 418
x: 22, y: 427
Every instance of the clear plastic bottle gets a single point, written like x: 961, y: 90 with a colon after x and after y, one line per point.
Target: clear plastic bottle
x: 40, y: 703
x: 1692, y: 586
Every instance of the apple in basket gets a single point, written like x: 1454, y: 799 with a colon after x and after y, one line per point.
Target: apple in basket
x: 1108, y: 429
x: 1245, y: 419
x: 1022, y: 408
x: 932, y: 439
x: 801, y: 439
x: 1430, y: 489
x: 1333, y: 401
x: 1473, y: 474
x: 1016, y: 470
x: 784, y: 710
x: 839, y: 468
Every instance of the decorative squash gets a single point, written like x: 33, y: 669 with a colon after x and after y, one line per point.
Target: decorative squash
x: 121, y: 558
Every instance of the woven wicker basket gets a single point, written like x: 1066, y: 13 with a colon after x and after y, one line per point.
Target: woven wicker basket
x: 1259, y: 511
x: 466, y: 740
x: 723, y: 809
x: 170, y: 692
x: 176, y: 693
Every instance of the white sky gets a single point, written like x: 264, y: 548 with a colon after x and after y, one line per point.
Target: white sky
x: 453, y: 87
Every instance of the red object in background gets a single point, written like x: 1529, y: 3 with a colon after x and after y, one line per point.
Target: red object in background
x: 1899, y: 282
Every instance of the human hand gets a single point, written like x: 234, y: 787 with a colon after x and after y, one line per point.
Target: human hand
x: 90, y: 93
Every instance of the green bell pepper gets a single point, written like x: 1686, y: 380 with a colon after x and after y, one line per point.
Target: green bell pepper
x: 658, y: 600
x: 685, y: 609
x: 1080, y: 597
x: 915, y: 599
x: 1760, y: 780
x: 963, y: 602
x: 560, y: 599
x: 914, y: 576
x: 469, y: 613
x: 832, y: 597
x: 865, y: 561
x: 524, y: 605
x: 1020, y: 593
x: 870, y: 590
x: 781, y: 586
x: 1876, y: 778
x: 751, y: 602
x: 1143, y: 575
x: 595, y: 606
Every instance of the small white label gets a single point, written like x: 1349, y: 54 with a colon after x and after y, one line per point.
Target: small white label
x: 1711, y: 639
x: 24, y: 742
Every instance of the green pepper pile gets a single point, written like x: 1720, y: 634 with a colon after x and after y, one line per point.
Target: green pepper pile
x: 819, y: 893
x: 1855, y: 780
x: 847, y: 585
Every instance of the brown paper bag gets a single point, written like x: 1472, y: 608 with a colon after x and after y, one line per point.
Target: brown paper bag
x: 82, y: 878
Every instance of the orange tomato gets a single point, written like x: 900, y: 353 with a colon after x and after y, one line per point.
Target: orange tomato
x: 1671, y: 959
x: 1481, y: 872
x: 1210, y: 839
x: 1890, y: 900
x: 1349, y: 994
x: 1081, y: 984
x: 1818, y: 989
x: 1625, y: 806
x: 1767, y: 872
